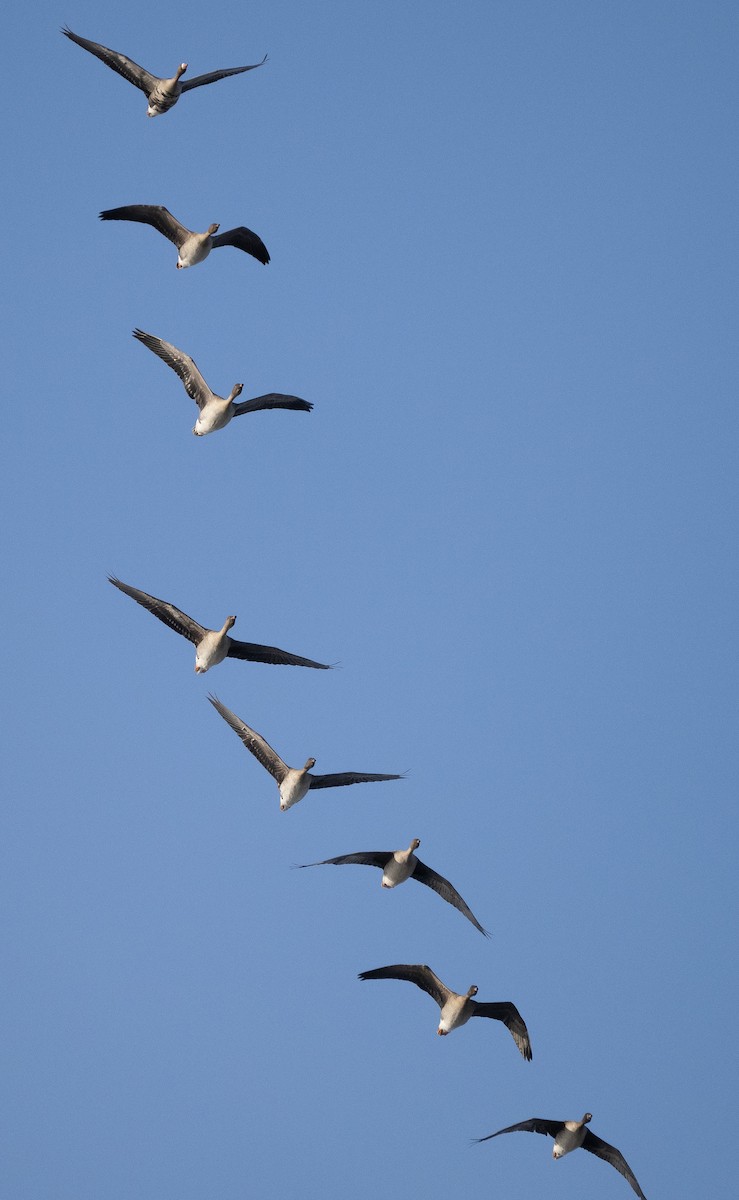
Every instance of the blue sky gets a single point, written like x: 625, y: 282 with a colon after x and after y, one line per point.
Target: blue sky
x: 503, y: 242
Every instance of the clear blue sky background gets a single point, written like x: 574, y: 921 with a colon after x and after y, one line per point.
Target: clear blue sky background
x: 504, y: 270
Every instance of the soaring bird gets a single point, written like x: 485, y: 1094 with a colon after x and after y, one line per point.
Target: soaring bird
x: 456, y: 1009
x: 399, y: 865
x: 192, y: 247
x: 212, y: 645
x: 569, y: 1135
x: 162, y: 94
x: 293, y: 782
x: 215, y: 411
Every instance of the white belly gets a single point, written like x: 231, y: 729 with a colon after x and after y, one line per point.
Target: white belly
x: 455, y: 1012
x: 397, y: 869
x: 212, y: 417
x: 211, y: 651
x: 292, y: 789
x: 194, y: 250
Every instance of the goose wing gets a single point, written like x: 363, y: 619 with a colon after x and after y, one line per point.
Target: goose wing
x: 165, y: 611
x: 117, y: 62
x: 195, y: 386
x: 417, y: 973
x: 213, y: 76
x: 444, y: 888
x: 533, y: 1125
x: 510, y: 1016
x: 253, y: 652
x: 613, y: 1156
x: 150, y: 214
x: 243, y: 239
x: 344, y: 778
x: 253, y: 741
x: 272, y: 400
x: 363, y: 858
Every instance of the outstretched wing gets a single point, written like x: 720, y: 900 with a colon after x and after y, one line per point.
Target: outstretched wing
x: 126, y: 67
x: 444, y: 888
x: 417, y: 973
x: 166, y: 612
x: 150, y: 214
x: 510, y: 1016
x: 195, y: 386
x: 213, y: 76
x: 253, y: 741
x: 253, y: 652
x: 272, y: 400
x: 243, y: 239
x: 344, y: 778
x: 363, y: 858
x: 533, y: 1125
x: 613, y: 1156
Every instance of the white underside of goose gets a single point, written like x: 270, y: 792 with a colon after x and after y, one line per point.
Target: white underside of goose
x: 213, y: 416
x: 399, y: 868
x: 570, y: 1137
x: 211, y: 651
x: 457, y: 1011
x: 193, y: 250
x: 293, y: 788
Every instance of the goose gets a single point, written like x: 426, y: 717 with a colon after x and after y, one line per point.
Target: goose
x: 569, y: 1135
x: 215, y: 411
x: 399, y: 865
x: 457, y: 1009
x: 212, y: 645
x: 192, y: 247
x: 162, y: 94
x: 294, y: 782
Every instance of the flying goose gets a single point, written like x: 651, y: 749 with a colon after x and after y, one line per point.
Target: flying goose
x: 294, y: 782
x: 457, y: 1009
x: 215, y: 411
x: 212, y: 645
x: 162, y: 94
x: 568, y: 1135
x: 192, y: 247
x: 399, y: 865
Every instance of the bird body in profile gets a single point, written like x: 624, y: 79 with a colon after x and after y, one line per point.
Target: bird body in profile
x: 457, y: 1008
x: 294, y: 782
x: 399, y: 865
x: 215, y: 411
x: 571, y: 1135
x: 162, y: 94
x: 212, y: 645
x: 192, y: 248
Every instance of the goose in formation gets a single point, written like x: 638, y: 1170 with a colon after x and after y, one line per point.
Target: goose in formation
x: 568, y: 1135
x: 457, y: 1009
x: 192, y: 247
x: 293, y: 782
x: 162, y: 94
x: 215, y: 411
x: 399, y: 865
x: 212, y: 645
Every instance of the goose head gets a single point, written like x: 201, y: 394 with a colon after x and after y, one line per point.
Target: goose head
x: 415, y: 843
x: 228, y: 624
x: 236, y: 390
x: 472, y: 991
x: 213, y: 228
x: 309, y: 764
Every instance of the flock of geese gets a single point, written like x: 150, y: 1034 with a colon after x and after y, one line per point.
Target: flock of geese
x: 212, y: 646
